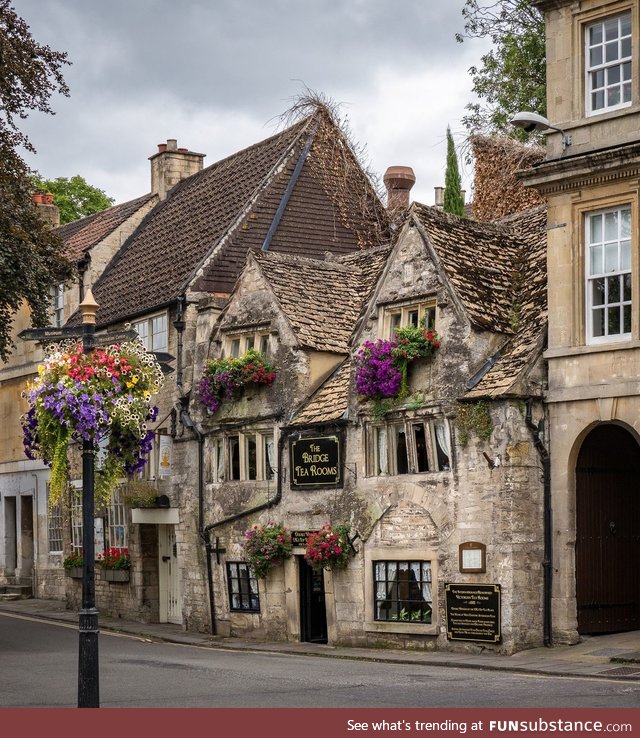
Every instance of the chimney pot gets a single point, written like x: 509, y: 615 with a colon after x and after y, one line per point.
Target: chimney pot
x: 172, y: 144
x: 398, y: 180
x: 161, y: 148
x: 183, y: 150
x: 439, y: 196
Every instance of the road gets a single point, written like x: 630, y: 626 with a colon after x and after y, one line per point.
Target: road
x: 39, y: 662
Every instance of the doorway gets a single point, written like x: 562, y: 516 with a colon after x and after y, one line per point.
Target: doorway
x: 169, y: 575
x: 313, y: 614
x: 25, y: 563
x: 607, y: 525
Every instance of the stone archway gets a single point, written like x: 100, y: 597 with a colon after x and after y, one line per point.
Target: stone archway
x: 608, y: 531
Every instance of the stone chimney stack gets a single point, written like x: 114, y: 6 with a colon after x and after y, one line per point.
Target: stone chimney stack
x: 398, y: 181
x: 46, y: 208
x: 171, y: 165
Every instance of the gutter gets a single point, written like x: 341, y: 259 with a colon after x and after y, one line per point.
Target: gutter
x: 548, y: 552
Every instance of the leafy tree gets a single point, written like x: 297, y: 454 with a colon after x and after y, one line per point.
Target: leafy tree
x: 453, y: 197
x: 31, y: 257
x: 74, y: 197
x: 512, y: 76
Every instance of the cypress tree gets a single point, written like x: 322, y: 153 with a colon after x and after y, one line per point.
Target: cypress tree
x: 453, y: 199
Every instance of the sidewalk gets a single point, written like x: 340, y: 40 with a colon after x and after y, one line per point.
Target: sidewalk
x: 615, y: 656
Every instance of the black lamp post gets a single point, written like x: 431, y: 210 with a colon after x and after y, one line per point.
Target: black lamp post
x: 88, y: 670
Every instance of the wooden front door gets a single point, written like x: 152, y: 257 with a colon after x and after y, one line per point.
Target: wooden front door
x: 169, y: 576
x: 313, y: 613
x: 608, y: 531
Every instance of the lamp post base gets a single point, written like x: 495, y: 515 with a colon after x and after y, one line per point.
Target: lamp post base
x: 88, y: 681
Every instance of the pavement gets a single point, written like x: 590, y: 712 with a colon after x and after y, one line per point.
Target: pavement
x: 611, y: 656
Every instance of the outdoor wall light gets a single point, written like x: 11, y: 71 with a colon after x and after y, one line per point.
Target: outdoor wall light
x: 533, y: 122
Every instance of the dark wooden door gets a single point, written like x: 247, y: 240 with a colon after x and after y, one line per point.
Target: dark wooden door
x: 313, y: 613
x: 608, y: 531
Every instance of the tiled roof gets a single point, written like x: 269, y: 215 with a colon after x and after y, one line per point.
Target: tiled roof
x: 81, y: 235
x: 199, y: 236
x: 331, y: 400
x: 322, y: 300
x: 524, y: 347
x: 481, y: 262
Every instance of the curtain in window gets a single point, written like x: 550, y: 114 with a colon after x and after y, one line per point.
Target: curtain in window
x: 383, y: 455
x: 269, y: 451
x: 442, y: 439
x: 219, y: 460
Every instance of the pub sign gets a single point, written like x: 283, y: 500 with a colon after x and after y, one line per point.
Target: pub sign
x: 316, y: 461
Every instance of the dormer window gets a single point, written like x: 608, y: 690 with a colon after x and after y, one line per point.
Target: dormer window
x: 608, y: 64
x: 236, y: 345
x: 403, y: 315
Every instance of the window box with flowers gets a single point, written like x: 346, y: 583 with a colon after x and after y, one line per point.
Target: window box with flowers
x: 73, y: 564
x: 382, y: 367
x: 329, y: 548
x: 115, y: 565
x: 227, y: 379
x: 266, y: 546
x: 104, y: 397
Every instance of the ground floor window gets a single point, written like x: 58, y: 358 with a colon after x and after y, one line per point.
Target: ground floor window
x: 117, y: 521
x: 55, y: 527
x: 243, y: 587
x: 402, y: 591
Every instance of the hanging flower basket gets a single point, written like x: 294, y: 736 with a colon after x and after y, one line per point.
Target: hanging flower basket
x: 382, y: 367
x: 329, y: 547
x: 105, y: 397
x: 227, y: 379
x: 266, y: 546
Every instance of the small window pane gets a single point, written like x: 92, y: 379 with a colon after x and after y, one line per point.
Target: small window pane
x: 595, y: 262
x: 159, y: 333
x: 595, y: 34
x: 613, y: 96
x: 626, y: 289
x: 597, y: 100
x: 264, y: 345
x: 235, y: 348
x: 613, y: 318
x: 611, y: 226
x: 626, y: 71
x: 420, y: 441
x: 234, y: 455
x: 625, y: 47
x: 627, y: 318
x: 595, y: 222
x: 598, y: 323
x: 595, y: 56
x: 611, y: 257
x: 597, y: 296
x: 251, y: 456
x: 613, y: 75
x: 611, y: 51
x: 402, y: 461
x: 610, y: 29
x: 626, y: 92
x: 625, y: 255
x: 613, y: 288
x: 412, y: 318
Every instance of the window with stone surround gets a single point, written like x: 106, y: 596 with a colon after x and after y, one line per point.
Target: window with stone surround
x: 408, y: 446
x: 402, y: 315
x: 608, y: 64
x: 243, y: 587
x: 402, y: 591
x: 608, y: 274
x: 153, y: 332
x: 237, y: 344
x: 244, y: 456
x: 117, y: 521
x: 55, y: 524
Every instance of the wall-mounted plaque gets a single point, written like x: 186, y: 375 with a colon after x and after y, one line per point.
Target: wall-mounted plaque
x: 299, y: 538
x: 316, y: 461
x: 473, y: 612
x: 472, y: 557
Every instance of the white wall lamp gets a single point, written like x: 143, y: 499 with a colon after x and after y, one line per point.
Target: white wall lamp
x: 533, y: 122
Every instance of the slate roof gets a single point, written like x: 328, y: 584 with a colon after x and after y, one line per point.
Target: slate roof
x: 199, y: 236
x: 481, y: 261
x: 330, y: 402
x: 80, y: 236
x: 322, y: 300
x: 519, y: 353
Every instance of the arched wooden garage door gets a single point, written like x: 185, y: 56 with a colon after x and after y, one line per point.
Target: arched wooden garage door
x: 608, y: 531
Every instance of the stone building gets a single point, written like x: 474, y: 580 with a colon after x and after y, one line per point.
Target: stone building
x: 590, y: 182
x: 442, y: 490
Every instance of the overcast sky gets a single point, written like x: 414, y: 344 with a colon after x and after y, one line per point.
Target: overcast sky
x: 217, y: 74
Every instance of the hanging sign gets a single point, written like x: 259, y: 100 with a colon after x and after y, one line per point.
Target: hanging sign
x: 165, y: 455
x: 316, y: 461
x: 473, y: 612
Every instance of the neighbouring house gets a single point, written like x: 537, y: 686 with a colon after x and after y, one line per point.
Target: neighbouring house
x: 590, y: 182
x: 31, y: 540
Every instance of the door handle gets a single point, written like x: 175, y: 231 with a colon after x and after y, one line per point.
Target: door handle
x: 612, y: 528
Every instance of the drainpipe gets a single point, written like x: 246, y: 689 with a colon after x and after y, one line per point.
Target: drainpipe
x: 547, y: 555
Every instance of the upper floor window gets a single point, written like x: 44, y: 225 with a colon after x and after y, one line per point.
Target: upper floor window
x: 153, y: 332
x: 409, y: 446
x: 608, y: 278
x: 608, y: 64
x: 239, y: 345
x: 247, y: 456
x: 58, y: 305
x: 402, y: 316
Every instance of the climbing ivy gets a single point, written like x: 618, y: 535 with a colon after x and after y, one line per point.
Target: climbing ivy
x: 473, y: 418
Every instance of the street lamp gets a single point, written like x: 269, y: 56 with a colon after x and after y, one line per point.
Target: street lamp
x: 88, y: 670
x: 529, y: 121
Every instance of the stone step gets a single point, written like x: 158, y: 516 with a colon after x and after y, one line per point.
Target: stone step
x: 16, y: 591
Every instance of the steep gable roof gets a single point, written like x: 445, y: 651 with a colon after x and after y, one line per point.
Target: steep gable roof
x: 330, y: 402
x: 199, y: 236
x: 80, y: 236
x: 322, y: 300
x: 481, y: 262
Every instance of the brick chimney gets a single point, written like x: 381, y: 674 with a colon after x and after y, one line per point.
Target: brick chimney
x: 398, y: 181
x: 46, y: 208
x: 171, y: 165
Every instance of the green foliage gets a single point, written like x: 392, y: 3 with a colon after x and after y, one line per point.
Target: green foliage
x: 473, y: 418
x: 453, y: 197
x: 31, y: 257
x: 512, y: 76
x: 75, y: 560
x: 138, y: 493
x: 266, y: 546
x: 74, y: 197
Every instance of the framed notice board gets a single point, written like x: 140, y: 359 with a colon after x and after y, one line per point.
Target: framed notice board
x: 473, y: 612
